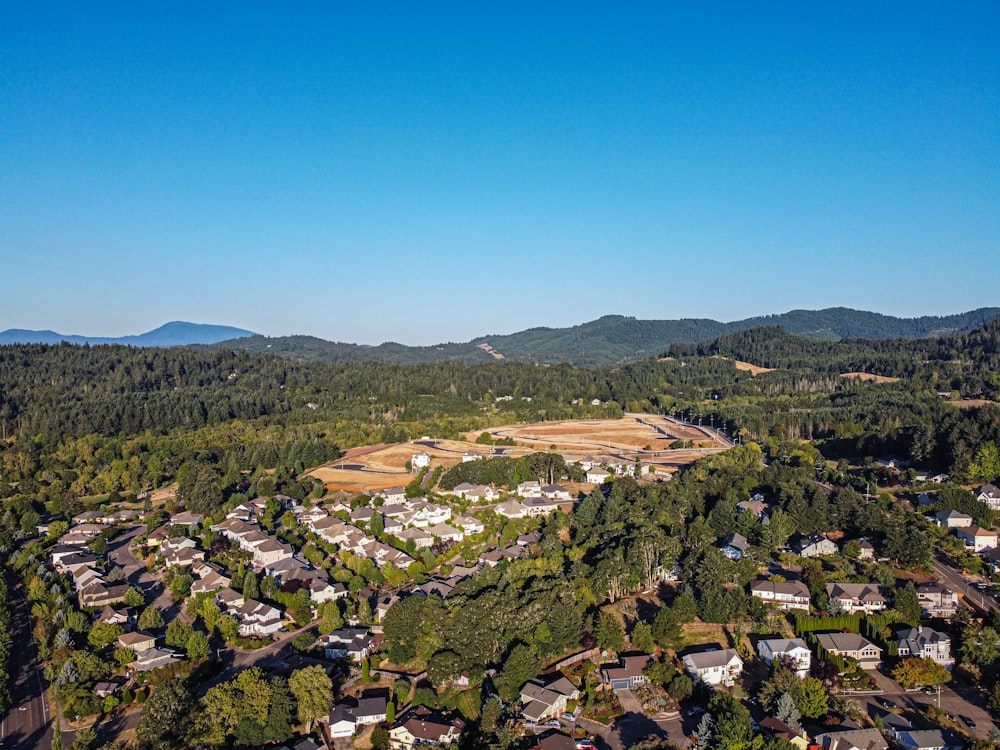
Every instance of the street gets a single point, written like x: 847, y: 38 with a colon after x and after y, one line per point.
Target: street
x: 962, y: 586
x: 27, y: 724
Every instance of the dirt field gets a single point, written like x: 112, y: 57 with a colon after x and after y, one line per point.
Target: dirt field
x: 867, y: 376
x: 754, y: 370
x: 643, y: 437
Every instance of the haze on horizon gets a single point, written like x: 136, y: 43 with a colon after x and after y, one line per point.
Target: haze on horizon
x: 429, y: 174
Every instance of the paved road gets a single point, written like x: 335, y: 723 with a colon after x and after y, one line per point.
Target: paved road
x: 961, y: 585
x: 27, y: 724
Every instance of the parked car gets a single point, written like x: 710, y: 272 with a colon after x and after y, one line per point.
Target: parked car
x: 694, y: 711
x: 886, y: 702
x: 969, y: 722
x: 929, y: 689
x: 569, y: 716
x: 552, y: 724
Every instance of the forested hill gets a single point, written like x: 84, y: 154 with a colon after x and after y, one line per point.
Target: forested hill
x: 972, y: 354
x: 614, y: 339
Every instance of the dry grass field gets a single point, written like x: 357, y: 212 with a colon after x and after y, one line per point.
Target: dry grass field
x: 867, y: 376
x: 752, y: 369
x: 646, y: 437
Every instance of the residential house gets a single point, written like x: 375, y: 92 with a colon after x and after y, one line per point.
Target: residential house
x: 927, y: 739
x: 952, y: 519
x: 866, y: 549
x: 852, y: 739
x: 936, y: 600
x: 138, y: 641
x: 989, y: 494
x: 323, y: 591
x: 212, y: 582
x: 757, y: 508
x: 627, y: 673
x: 510, y: 509
x: 539, y: 703
x: 925, y: 643
x: 734, y: 546
x: 556, y: 492
x: 393, y: 494
x: 357, y: 643
x: 794, y: 650
x: 597, y: 476
x: 371, y: 710
x: 342, y: 722
x: 851, y: 646
x: 719, y: 667
x: 857, y: 597
x: 191, y: 520
x: 785, y: 594
x: 469, y: 524
x: 482, y: 495
x: 97, y: 594
x: 471, y: 456
x: 814, y: 545
x: 111, y: 616
x: 420, y: 538
x: 775, y: 728
x: 420, y: 460
x: 424, y: 727
x: 154, y: 658
x: 257, y: 618
x: 555, y: 741
x: 977, y: 538
x: 540, y: 506
x: 444, y: 533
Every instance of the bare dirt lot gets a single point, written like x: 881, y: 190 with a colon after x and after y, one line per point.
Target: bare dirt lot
x: 645, y: 437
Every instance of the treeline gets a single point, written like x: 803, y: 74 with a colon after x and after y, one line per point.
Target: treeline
x: 967, y: 363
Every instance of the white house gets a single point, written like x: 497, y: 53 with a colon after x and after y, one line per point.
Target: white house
x: 857, y: 597
x: 420, y: 460
x: 815, y: 545
x: 795, y: 649
x: 597, y: 476
x: 925, y: 643
x: 977, y: 538
x: 989, y: 494
x: 720, y: 667
x: 785, y: 594
x: 952, y: 519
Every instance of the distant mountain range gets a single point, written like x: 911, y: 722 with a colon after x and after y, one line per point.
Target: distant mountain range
x: 176, y: 333
x: 609, y: 340
x: 615, y: 338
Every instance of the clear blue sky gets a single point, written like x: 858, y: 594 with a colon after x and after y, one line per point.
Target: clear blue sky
x: 426, y: 172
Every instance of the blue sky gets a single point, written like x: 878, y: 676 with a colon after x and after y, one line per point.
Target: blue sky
x: 427, y: 172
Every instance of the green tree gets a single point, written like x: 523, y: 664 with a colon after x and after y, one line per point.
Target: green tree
x: 642, y: 637
x: 166, y: 717
x: 313, y: 690
x: 907, y: 603
x: 151, y: 618
x: 518, y: 668
x: 610, y: 635
x: 104, y: 634
x: 197, y: 646
x: 134, y: 597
